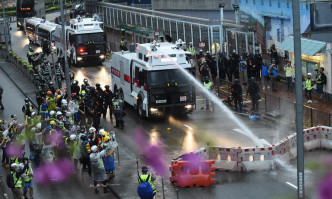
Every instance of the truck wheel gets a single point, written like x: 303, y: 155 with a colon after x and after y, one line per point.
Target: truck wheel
x: 140, y: 109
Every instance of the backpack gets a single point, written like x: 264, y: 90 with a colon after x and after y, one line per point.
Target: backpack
x: 145, y: 190
x: 10, y: 181
x: 109, y: 163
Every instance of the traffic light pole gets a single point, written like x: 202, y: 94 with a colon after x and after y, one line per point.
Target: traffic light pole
x: 67, y: 77
x: 299, y: 98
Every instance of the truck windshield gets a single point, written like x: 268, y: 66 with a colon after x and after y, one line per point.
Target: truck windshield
x: 162, y: 77
x: 92, y: 37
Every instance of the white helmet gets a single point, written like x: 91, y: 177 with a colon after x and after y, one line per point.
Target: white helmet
x: 33, y: 129
x: 309, y: 74
x: 101, y: 131
x: 58, y: 113
x: 94, y: 148
x: 64, y: 102
x: 92, y: 130
x: 68, y: 114
x: 38, y: 126
x: 14, y: 165
x: 72, y: 137
x: 33, y: 114
x: 52, y: 113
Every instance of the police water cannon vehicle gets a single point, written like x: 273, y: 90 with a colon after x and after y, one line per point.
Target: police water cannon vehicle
x: 150, y: 79
x: 85, y: 39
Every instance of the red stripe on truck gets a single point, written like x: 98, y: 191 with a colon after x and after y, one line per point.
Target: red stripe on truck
x: 115, y: 72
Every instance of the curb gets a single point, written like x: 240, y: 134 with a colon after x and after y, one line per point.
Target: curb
x: 35, y: 105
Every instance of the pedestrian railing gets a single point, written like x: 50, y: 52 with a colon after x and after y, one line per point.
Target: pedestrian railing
x: 280, y: 108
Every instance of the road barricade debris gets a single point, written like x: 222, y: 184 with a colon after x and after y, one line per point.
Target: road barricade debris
x: 245, y: 158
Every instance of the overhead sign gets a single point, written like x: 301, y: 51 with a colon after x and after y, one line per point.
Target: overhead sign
x: 156, y: 33
x: 201, y: 44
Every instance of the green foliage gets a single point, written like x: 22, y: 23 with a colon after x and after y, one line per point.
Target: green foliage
x: 10, y: 13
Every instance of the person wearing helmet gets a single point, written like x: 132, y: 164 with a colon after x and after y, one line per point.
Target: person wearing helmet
x: 236, y: 91
x: 75, y: 88
x: 27, y: 108
x: 108, y: 96
x: 253, y: 91
x: 308, y: 88
x: 83, y: 91
x: 85, y: 149
x: 29, y: 55
x: 51, y: 100
x: 74, y: 149
x: 98, y: 169
x: 28, y: 174
x: 145, y: 177
x: 205, y: 71
x: 209, y: 86
x: 86, y: 82
x: 118, y: 110
x: 52, y: 115
x: 73, y: 107
x: 43, y: 111
x: 17, y: 173
x: 51, y: 87
x: 69, y: 118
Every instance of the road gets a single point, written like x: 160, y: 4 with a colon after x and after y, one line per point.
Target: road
x: 186, y: 134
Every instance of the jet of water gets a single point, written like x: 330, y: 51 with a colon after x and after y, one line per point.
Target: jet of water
x: 221, y: 105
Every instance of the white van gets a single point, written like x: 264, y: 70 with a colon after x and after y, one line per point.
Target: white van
x: 31, y: 26
x: 45, y: 31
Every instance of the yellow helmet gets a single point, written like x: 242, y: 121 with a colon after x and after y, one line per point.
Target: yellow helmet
x: 58, y: 97
x: 106, y: 138
x: 52, y: 122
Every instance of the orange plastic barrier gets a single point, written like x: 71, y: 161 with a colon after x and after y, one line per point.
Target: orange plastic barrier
x: 189, y: 174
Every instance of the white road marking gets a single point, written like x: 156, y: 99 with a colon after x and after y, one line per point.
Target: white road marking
x: 188, y: 127
x: 290, y: 184
x: 240, y: 131
x: 6, y: 196
x: 265, y: 143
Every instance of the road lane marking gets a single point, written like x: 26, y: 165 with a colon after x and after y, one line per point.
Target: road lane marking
x: 265, y: 143
x: 240, y: 131
x: 188, y: 127
x: 290, y: 184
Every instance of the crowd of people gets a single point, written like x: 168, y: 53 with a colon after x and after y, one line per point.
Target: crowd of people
x: 58, y: 129
x: 246, y: 70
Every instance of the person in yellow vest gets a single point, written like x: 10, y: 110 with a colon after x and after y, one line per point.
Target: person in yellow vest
x: 16, y: 172
x: 191, y: 49
x: 51, y: 100
x: 28, y: 174
x: 289, y: 72
x: 209, y: 86
x: 308, y: 88
x: 123, y: 44
x: 145, y: 177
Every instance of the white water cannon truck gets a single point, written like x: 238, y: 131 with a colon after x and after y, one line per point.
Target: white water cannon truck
x: 85, y: 39
x: 149, y: 78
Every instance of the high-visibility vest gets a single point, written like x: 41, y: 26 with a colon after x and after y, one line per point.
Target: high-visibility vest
x: 123, y: 42
x: 17, y: 181
x: 191, y: 49
x: 41, y: 111
x: 30, y: 53
x: 30, y: 67
x: 308, y: 85
x: 146, y: 178
x: 28, y: 178
x: 289, y: 71
x: 208, y: 85
x: 14, y: 160
x: 88, y: 148
x: 318, y: 79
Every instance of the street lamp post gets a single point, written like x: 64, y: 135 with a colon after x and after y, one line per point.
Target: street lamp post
x: 63, y: 35
x: 299, y: 99
x: 221, y: 38
x: 6, y: 32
